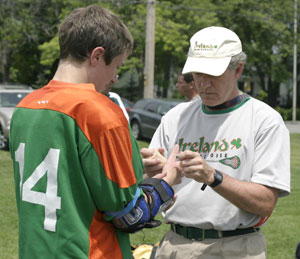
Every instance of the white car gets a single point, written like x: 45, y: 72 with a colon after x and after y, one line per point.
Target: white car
x: 10, y: 96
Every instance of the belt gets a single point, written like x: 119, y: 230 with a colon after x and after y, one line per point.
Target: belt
x: 200, y: 234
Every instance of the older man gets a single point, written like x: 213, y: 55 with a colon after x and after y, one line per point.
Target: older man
x: 236, y: 145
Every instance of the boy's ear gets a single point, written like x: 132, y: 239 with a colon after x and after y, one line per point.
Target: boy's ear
x: 96, y: 55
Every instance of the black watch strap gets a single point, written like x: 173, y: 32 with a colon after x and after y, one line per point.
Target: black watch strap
x: 218, y: 179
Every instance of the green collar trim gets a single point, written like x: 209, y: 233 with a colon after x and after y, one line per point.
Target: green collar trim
x: 230, y: 109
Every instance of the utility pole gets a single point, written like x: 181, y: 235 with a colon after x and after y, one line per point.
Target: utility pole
x: 149, y: 50
x: 295, y: 65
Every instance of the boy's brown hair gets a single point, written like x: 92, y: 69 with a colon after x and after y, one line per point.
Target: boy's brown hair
x: 94, y: 26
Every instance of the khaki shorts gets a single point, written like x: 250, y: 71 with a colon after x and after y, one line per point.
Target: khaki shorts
x: 174, y: 246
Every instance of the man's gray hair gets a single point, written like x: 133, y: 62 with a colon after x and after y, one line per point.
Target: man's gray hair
x: 235, y: 60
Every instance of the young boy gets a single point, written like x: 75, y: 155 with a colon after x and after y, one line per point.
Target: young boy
x: 78, y: 171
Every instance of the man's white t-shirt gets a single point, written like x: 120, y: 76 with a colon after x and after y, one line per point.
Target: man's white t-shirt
x: 249, y: 142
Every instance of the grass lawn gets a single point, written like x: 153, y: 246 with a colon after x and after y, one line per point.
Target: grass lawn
x: 282, y: 230
x: 8, y: 209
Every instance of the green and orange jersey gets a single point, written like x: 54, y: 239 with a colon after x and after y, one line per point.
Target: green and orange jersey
x: 74, y: 158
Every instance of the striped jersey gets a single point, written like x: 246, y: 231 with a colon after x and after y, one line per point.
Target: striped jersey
x: 74, y: 157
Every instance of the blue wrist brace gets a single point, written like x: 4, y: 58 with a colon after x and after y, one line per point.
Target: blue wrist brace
x: 159, y: 195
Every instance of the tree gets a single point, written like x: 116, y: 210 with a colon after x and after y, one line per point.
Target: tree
x: 264, y: 28
x: 29, y: 48
x: 176, y: 22
x: 25, y: 24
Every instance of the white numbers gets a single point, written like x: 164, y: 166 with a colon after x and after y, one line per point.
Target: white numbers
x: 19, y: 155
x: 49, y: 199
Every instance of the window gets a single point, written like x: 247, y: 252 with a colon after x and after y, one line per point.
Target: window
x: 163, y: 109
x: 151, y: 107
x: 11, y: 99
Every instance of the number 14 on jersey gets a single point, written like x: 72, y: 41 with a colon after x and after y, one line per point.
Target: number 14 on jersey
x: 49, y: 199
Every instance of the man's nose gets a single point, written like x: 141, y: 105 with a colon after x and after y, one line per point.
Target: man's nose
x: 205, y: 82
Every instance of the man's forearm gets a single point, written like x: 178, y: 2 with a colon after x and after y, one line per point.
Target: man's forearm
x: 251, y: 197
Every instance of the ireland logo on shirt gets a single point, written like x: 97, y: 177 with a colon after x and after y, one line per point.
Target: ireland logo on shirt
x: 215, y: 151
x: 234, y: 162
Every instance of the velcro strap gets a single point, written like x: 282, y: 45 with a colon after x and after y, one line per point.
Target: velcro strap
x: 127, y: 209
x: 160, y: 187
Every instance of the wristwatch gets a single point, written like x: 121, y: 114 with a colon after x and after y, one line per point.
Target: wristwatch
x: 218, y: 179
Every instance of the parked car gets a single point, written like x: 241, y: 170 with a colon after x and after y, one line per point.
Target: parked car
x: 146, y: 114
x: 10, y: 96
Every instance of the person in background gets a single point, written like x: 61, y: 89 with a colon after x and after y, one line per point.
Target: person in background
x: 186, y: 86
x: 235, y: 158
x: 78, y: 171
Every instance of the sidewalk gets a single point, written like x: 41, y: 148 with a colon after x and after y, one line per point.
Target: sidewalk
x: 293, y: 127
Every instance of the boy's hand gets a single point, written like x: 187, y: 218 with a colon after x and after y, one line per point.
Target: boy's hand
x: 152, y: 165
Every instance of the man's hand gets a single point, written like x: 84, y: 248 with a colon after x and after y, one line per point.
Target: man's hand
x: 195, y: 167
x: 152, y: 165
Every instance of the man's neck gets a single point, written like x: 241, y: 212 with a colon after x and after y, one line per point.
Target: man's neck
x: 71, y: 72
x: 230, y: 103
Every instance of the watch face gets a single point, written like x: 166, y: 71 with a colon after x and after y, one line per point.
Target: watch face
x: 218, y: 179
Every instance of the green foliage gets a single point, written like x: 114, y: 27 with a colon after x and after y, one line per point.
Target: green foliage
x: 170, y: 34
x: 24, y: 25
x: 262, y: 95
x: 29, y: 47
x: 264, y: 28
x: 287, y: 114
x: 14, y: 74
x: 49, y: 52
x: 128, y: 85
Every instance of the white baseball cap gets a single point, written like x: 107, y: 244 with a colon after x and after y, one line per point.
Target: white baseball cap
x: 211, y: 50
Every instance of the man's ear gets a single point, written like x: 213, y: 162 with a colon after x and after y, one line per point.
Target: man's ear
x: 239, y: 70
x: 193, y: 84
x: 96, y: 55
